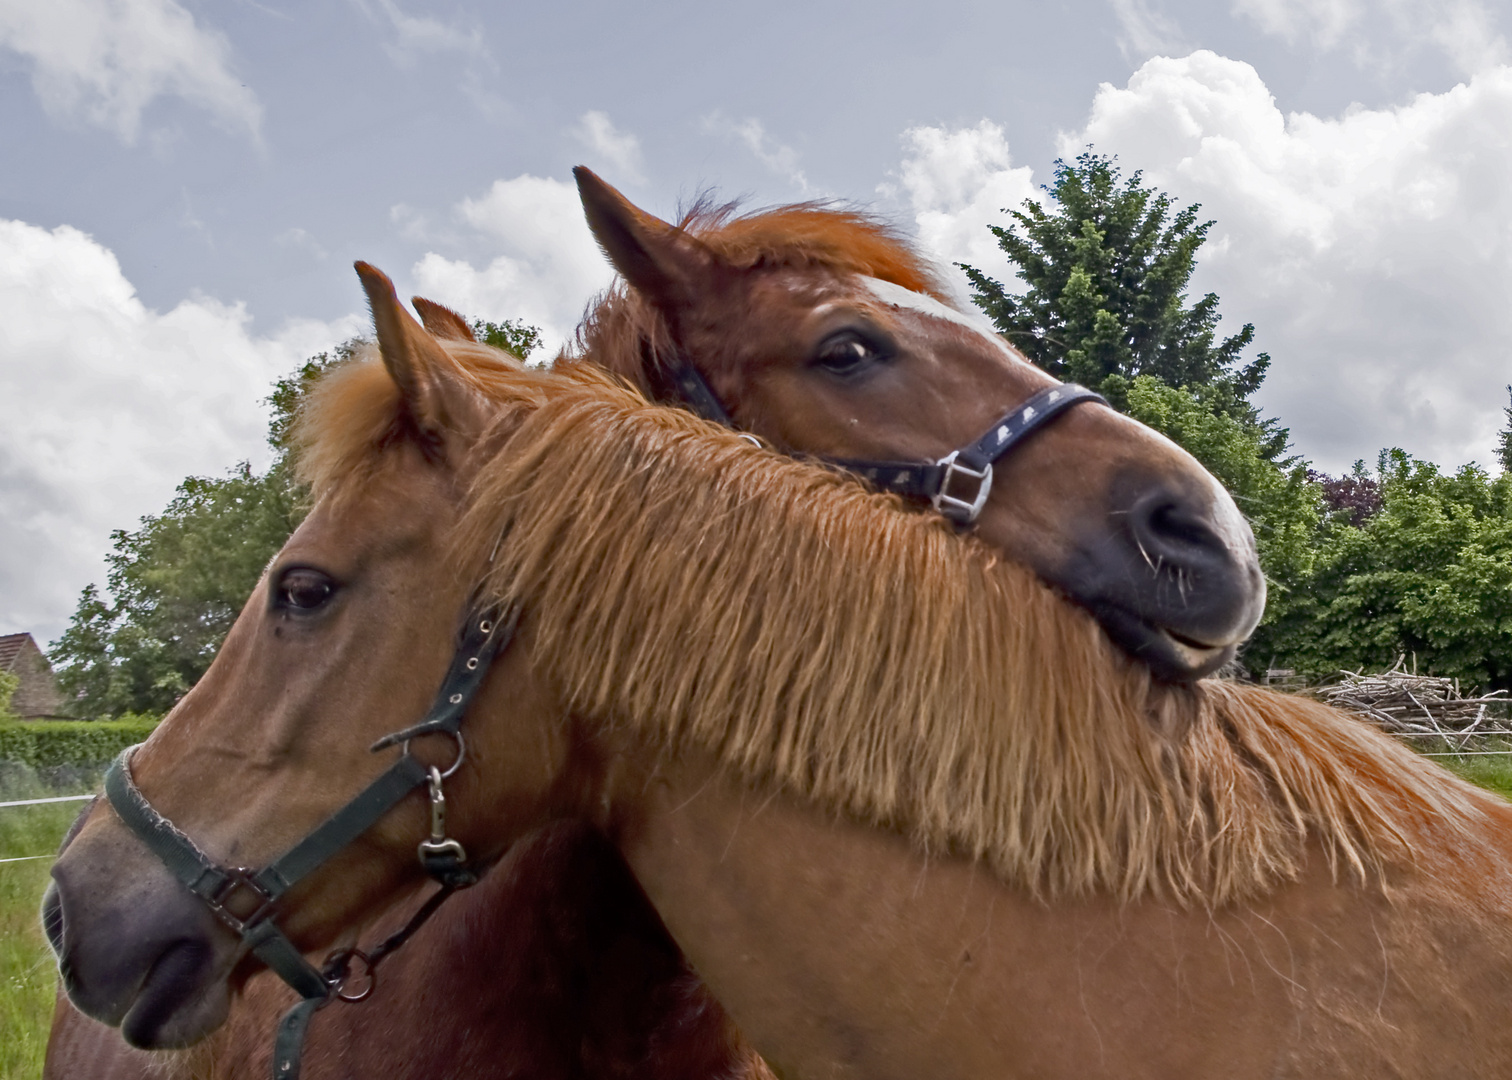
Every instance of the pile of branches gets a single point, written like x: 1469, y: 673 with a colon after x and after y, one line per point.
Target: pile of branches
x: 1402, y: 702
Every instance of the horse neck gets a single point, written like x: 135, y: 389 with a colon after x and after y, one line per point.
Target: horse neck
x: 841, y: 948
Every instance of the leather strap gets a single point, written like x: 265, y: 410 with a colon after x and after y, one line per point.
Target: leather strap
x: 958, y: 484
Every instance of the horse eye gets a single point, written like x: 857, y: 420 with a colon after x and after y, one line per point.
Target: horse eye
x: 847, y: 353
x: 304, y: 590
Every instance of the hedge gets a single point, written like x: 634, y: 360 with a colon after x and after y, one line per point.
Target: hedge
x: 48, y: 743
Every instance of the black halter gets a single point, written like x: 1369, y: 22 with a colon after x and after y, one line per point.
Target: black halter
x: 958, y: 484
x: 243, y: 899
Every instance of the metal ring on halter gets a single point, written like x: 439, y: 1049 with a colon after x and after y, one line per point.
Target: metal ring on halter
x: 748, y: 437
x: 461, y: 751
x: 339, y: 965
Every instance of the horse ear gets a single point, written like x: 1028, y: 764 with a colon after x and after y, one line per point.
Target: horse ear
x: 442, y: 322
x: 661, y: 262
x: 435, y: 395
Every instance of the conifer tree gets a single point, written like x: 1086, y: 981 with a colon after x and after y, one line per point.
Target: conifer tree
x: 1107, y: 266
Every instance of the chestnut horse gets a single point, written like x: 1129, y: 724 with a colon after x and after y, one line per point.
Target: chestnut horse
x: 906, y: 809
x: 812, y: 247
x: 628, y: 329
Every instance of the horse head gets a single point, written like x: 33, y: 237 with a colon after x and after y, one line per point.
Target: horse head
x: 347, y: 628
x: 823, y: 333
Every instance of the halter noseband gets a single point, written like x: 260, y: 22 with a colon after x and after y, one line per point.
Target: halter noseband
x: 243, y: 899
x: 958, y: 484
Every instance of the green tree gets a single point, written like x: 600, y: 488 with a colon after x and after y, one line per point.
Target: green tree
x: 512, y: 335
x: 1427, y: 574
x: 1504, y: 439
x: 8, y: 686
x: 1105, y: 265
x: 176, y: 584
x: 1106, y: 269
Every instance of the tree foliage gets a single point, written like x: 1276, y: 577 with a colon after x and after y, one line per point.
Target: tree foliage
x: 1428, y: 575
x: 512, y: 335
x: 1106, y: 268
x: 175, y: 584
x: 9, y: 683
x: 1504, y: 439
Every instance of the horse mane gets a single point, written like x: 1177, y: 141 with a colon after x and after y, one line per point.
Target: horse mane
x: 960, y: 701
x: 629, y: 336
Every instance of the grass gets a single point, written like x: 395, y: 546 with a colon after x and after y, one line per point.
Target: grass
x: 1491, y: 773
x: 28, y: 978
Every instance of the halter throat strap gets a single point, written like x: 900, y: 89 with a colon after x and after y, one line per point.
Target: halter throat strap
x: 958, y: 484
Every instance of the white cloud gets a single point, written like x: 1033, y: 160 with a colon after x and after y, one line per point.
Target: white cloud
x: 1321, y: 22
x: 1372, y: 250
x: 301, y: 239
x: 550, y: 268
x: 420, y: 34
x: 1379, y: 33
x: 106, y: 60
x: 777, y: 157
x: 1145, y: 30
x: 109, y: 405
x: 959, y: 182
x: 617, y: 149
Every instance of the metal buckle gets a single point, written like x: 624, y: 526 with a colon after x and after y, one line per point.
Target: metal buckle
x: 239, y: 877
x: 962, y: 511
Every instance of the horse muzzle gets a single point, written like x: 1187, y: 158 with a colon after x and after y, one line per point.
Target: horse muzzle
x: 1176, y: 581
x: 135, y: 949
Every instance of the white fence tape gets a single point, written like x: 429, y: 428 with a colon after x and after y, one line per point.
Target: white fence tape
x: 55, y: 798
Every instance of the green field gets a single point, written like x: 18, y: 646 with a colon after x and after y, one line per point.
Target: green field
x: 27, y: 976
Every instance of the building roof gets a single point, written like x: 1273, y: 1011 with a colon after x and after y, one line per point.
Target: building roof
x: 10, y: 648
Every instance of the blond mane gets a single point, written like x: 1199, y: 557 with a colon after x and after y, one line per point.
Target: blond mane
x: 719, y: 596
x: 629, y: 336
x: 715, y: 595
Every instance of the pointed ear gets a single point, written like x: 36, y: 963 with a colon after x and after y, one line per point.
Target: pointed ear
x: 442, y: 322
x: 435, y: 394
x: 661, y: 262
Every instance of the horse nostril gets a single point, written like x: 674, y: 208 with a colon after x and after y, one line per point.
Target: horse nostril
x: 1172, y: 532
x: 52, y: 918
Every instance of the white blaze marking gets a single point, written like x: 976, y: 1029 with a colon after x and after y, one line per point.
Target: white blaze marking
x: 898, y: 296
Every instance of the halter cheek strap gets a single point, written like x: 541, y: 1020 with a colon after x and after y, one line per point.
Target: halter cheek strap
x: 958, y: 484
x: 243, y: 899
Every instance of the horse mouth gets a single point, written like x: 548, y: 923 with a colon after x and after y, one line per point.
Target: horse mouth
x: 1195, y: 657
x: 1170, y: 654
x: 177, y: 1002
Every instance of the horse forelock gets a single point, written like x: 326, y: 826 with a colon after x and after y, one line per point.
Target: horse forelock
x: 960, y: 701
x: 624, y: 333
x: 355, y: 412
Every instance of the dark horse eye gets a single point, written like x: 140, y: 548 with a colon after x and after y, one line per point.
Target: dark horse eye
x: 304, y: 590
x: 847, y: 353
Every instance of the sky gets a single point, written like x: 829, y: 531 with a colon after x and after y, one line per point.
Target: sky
x: 184, y: 186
